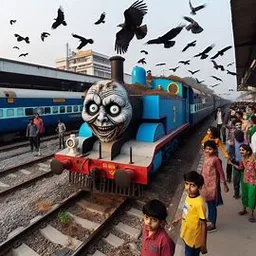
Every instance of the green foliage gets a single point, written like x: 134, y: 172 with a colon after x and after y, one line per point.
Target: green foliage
x: 64, y: 217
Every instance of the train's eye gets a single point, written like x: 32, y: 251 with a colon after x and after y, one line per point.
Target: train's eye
x: 114, y: 110
x: 93, y: 108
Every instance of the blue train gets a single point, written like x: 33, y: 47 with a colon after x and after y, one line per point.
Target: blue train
x: 17, y: 106
x: 130, y: 130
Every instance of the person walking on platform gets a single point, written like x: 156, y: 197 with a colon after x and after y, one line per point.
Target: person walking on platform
x: 219, y: 117
x: 61, y: 128
x: 31, y: 134
x: 40, y: 126
x: 155, y: 240
x: 248, y: 165
x: 213, y: 175
x: 193, y: 227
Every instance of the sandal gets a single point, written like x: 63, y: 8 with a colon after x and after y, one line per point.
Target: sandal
x: 252, y: 219
x: 242, y: 212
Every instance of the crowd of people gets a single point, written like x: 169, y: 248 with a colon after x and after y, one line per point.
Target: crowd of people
x: 237, y: 130
x: 36, y: 129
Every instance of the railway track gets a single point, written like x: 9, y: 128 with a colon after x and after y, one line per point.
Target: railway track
x: 99, y: 219
x: 20, y: 176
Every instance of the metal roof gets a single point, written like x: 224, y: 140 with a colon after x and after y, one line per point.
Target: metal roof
x: 244, y: 29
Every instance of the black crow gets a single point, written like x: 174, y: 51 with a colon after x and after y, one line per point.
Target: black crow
x: 231, y: 73
x: 194, y: 26
x: 21, y: 38
x: 203, y: 55
x: 221, y: 52
x: 193, y: 72
x: 215, y: 85
x: 218, y: 79
x: 101, y: 19
x: 16, y: 47
x: 12, y: 22
x: 192, y: 44
x: 216, y: 66
x: 195, y: 9
x: 60, y: 19
x: 142, y: 61
x: 144, y: 51
x: 186, y: 62
x: 23, y: 54
x: 174, y: 69
x: 44, y: 35
x: 131, y: 26
x: 230, y: 64
x: 160, y: 64
x: 83, y: 40
x: 231, y: 90
x: 166, y: 38
x: 199, y: 82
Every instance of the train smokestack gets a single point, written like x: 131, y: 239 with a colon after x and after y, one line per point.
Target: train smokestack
x: 117, y: 69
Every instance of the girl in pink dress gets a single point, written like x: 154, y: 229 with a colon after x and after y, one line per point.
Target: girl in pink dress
x: 213, y: 175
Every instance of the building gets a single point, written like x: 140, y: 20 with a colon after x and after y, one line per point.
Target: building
x: 86, y: 62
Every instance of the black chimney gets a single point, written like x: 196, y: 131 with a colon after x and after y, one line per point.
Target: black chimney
x: 117, y: 68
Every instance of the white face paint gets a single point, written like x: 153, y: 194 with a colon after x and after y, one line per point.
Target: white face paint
x: 107, y: 110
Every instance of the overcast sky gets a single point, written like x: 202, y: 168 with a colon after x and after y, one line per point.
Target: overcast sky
x: 36, y: 16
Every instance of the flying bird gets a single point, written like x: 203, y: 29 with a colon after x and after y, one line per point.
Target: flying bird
x: 193, y: 26
x: 221, y: 52
x: 216, y: 66
x: 21, y: 38
x: 215, y: 85
x: 185, y: 62
x: 142, y: 61
x: 131, y: 26
x: 203, y: 55
x: 231, y: 73
x: 12, y: 22
x: 193, y: 72
x: 160, y: 64
x: 174, y: 69
x: 101, y: 19
x: 144, y: 51
x: 167, y: 37
x: 192, y: 44
x: 16, y: 47
x: 44, y: 35
x: 195, y: 9
x: 23, y: 54
x: 199, y: 82
x: 217, y: 78
x: 83, y: 40
x: 230, y: 64
x: 60, y: 20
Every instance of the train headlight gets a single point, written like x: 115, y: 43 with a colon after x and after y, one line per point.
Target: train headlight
x: 72, y: 141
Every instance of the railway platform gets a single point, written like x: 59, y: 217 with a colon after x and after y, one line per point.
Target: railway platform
x: 235, y: 235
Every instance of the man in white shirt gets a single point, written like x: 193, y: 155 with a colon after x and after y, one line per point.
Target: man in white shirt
x: 219, y: 117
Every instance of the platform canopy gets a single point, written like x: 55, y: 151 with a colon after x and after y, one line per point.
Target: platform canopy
x: 244, y: 29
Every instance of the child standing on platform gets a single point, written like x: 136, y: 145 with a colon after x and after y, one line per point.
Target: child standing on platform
x: 155, y: 240
x: 193, y: 228
x: 213, y: 175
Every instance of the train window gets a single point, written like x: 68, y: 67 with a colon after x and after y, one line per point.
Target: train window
x: 10, y: 112
x: 69, y: 109
x: 62, y: 109
x: 47, y: 110
x: 75, y: 108
x: 1, y: 113
x: 20, y: 111
x: 81, y: 108
x: 39, y: 111
x: 29, y: 112
x: 55, y: 110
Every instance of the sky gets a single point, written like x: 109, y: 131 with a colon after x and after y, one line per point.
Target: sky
x: 35, y: 16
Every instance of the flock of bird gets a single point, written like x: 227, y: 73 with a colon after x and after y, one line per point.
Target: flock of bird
x: 132, y: 27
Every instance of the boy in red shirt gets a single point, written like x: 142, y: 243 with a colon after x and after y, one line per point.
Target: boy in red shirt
x: 155, y: 240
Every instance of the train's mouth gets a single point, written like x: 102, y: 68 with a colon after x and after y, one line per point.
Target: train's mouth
x: 105, y: 131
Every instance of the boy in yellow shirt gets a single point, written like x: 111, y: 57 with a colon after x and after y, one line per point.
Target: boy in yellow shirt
x: 193, y: 228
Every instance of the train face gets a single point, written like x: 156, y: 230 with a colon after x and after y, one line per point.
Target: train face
x: 129, y: 131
